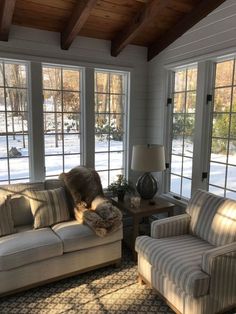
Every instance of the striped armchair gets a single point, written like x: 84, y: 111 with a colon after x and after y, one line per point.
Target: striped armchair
x: 190, y: 259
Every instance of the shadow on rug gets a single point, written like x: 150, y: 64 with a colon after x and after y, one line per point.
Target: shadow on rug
x: 106, y: 290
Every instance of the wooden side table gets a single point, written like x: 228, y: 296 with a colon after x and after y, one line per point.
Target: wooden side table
x: 146, y: 209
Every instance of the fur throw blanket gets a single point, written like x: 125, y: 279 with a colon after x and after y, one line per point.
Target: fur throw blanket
x: 90, y: 205
x: 102, y: 216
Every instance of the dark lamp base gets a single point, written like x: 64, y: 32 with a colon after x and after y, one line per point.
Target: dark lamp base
x: 147, y: 186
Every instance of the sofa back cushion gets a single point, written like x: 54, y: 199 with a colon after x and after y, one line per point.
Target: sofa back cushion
x: 6, y: 221
x: 48, y: 207
x: 20, y: 206
x: 213, y: 218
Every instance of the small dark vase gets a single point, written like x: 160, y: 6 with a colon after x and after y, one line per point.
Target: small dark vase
x: 120, y: 195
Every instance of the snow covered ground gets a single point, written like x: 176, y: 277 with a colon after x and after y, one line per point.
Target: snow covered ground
x: 19, y: 166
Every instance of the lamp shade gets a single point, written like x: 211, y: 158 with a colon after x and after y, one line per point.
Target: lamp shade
x: 148, y: 158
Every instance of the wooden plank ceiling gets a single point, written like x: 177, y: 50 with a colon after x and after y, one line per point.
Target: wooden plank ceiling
x: 151, y: 23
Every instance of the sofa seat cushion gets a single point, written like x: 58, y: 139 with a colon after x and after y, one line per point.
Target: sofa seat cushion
x: 27, y: 247
x: 179, y: 258
x: 76, y: 236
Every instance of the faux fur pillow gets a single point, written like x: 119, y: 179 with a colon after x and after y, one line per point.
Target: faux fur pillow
x: 48, y: 207
x: 6, y: 221
x: 83, y: 183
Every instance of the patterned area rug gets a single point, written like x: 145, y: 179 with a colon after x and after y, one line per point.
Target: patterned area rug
x: 107, y: 290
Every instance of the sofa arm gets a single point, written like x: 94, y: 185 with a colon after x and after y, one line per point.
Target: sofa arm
x: 170, y: 227
x: 220, y: 257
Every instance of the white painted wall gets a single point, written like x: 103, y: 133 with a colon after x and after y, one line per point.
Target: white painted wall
x: 36, y: 45
x: 212, y: 36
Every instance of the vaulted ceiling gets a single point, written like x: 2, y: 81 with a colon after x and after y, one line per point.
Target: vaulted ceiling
x: 151, y: 23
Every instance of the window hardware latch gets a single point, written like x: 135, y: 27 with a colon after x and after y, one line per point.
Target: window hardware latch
x: 204, y: 175
x: 167, y: 165
x: 209, y: 98
x: 169, y: 102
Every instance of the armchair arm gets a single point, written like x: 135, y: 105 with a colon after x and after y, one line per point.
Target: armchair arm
x: 220, y: 257
x: 170, y: 227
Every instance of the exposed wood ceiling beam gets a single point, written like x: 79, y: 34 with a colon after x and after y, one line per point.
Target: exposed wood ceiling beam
x: 78, y: 18
x: 189, y: 20
x: 130, y: 31
x: 6, y: 14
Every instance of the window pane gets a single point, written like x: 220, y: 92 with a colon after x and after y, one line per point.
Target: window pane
x: 71, y: 102
x: 233, y: 126
x: 188, y: 146
x: 2, y: 123
x: 101, y: 82
x: 114, y: 174
x: 3, y: 170
x: 53, y: 123
x: 187, y: 167
x: 191, y: 102
x: 219, y: 150
x: 71, y: 143
x: 53, y: 144
x: 2, y: 100
x: 71, y: 161
x: 231, y: 178
x: 16, y: 100
x: 186, y: 188
x: 180, y: 80
x: 1, y: 74
x: 51, y: 78
x: 18, y: 145
x: 101, y: 161
x: 19, y: 168
x: 101, y: 143
x: 116, y: 83
x: 224, y: 73
x: 178, y: 124
x: 177, y: 145
x: 232, y: 153
x: 101, y: 103
x: 189, y: 124
x: 104, y: 178
x: 179, y: 103
x: 3, y: 147
x: 220, y: 125
x: 222, y: 100
x: 217, y: 174
x: 71, y: 80
x: 54, y: 165
x: 117, y: 144
x: 116, y: 103
x: 216, y: 190
x: 52, y: 101
x: 116, y: 160
x: 175, y: 184
x: 15, y: 75
x: 176, y: 164
x: 192, y: 79
x: 71, y: 122
x: 231, y: 195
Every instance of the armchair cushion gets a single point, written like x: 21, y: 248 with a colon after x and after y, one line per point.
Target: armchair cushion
x: 213, y: 218
x: 179, y: 258
x: 169, y: 227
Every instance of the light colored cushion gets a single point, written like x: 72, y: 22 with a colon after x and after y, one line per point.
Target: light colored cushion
x: 76, y: 236
x: 20, y: 206
x: 180, y: 259
x: 6, y: 221
x: 27, y: 247
x: 213, y: 218
x: 48, y: 207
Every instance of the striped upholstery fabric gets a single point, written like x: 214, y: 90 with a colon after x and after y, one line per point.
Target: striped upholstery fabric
x: 6, y: 221
x: 179, y: 258
x: 213, y: 218
x: 48, y: 207
x: 170, y: 227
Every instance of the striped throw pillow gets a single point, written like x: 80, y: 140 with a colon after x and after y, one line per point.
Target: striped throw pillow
x: 48, y: 207
x: 6, y: 221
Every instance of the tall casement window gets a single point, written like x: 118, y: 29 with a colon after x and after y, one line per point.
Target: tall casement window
x: 62, y: 118
x: 222, y: 168
x: 14, y: 152
x: 111, y: 94
x: 183, y: 123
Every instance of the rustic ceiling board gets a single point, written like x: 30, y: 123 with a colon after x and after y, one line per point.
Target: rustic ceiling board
x: 58, y: 4
x: 123, y: 7
x: 199, y: 11
x: 77, y: 20
x: 130, y: 31
x: 6, y: 13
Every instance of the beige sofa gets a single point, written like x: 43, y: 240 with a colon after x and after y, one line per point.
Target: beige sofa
x: 190, y: 259
x: 31, y: 257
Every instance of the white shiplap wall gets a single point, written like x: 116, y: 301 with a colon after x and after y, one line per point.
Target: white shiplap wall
x: 213, y: 36
x: 43, y: 46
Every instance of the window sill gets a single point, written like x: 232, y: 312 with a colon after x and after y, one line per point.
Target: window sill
x: 169, y: 197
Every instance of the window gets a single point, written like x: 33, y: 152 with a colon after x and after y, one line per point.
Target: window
x: 182, y: 131
x: 14, y: 152
x: 110, y: 124
x: 62, y: 118
x: 222, y: 179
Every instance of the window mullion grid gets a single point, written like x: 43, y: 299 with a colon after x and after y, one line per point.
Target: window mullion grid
x: 62, y: 121
x: 109, y: 129
x: 6, y: 124
x: 230, y: 118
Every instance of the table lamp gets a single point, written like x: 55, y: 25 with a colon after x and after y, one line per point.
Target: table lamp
x: 148, y: 158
